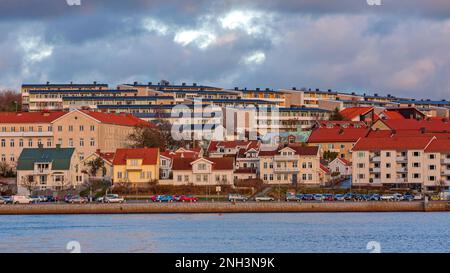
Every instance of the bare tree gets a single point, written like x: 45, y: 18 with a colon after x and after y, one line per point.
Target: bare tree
x: 28, y: 182
x: 5, y: 168
x: 10, y: 101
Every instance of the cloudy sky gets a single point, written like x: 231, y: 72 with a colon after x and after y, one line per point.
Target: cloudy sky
x: 401, y: 47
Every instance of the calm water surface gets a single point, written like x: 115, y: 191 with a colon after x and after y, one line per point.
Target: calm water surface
x: 308, y: 232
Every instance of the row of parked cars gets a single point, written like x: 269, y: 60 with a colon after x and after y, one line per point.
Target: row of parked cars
x: 72, y: 199
x: 353, y: 197
x: 173, y: 198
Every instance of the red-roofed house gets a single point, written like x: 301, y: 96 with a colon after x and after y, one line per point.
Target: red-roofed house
x: 203, y: 171
x: 230, y: 148
x: 166, y: 159
x: 136, y: 166
x: 341, y: 166
x: 402, y: 162
x: 103, y: 173
x: 425, y: 125
x: 290, y: 165
x: 366, y: 114
x: 338, y: 140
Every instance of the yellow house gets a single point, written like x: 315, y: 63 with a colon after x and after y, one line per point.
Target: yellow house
x: 136, y: 166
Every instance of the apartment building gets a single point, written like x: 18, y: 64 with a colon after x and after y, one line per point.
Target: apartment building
x: 418, y: 162
x: 92, y: 102
x: 50, y: 101
x: 337, y: 140
x: 290, y: 165
x: 46, y: 169
x: 83, y: 130
x: 136, y: 167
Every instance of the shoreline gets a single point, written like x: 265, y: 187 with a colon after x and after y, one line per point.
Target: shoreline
x: 225, y: 207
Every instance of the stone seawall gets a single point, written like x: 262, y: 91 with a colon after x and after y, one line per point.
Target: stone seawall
x: 222, y: 207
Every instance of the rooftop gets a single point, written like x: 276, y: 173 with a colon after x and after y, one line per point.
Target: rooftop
x: 149, y: 156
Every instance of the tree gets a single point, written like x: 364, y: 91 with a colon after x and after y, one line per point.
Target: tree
x: 330, y: 156
x: 336, y: 115
x: 94, y: 166
x: 5, y: 169
x: 145, y: 136
x: 10, y: 101
x: 28, y: 182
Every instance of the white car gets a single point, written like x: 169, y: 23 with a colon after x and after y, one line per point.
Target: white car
x: 264, y: 199
x: 387, y: 197
x: 113, y: 198
x: 21, y: 199
x: 418, y: 196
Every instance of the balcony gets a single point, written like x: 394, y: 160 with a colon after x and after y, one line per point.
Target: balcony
x: 374, y: 170
x: 285, y: 157
x: 445, y: 161
x: 401, y: 159
x: 41, y: 171
x: 375, y: 180
x: 445, y: 171
x: 285, y: 169
x: 400, y: 180
x: 375, y: 159
x: 134, y: 167
x: 402, y: 170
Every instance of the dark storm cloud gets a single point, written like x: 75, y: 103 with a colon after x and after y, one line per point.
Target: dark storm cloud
x: 400, y: 47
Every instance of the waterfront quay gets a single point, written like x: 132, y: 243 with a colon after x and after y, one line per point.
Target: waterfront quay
x: 225, y: 207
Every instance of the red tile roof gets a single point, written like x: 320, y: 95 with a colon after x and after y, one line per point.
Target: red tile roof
x: 325, y: 135
x: 184, y: 154
x: 345, y: 161
x: 149, y: 156
x: 117, y: 119
x: 324, y: 169
x: 353, y: 112
x: 439, y: 146
x: 218, y: 163
x: 29, y: 117
x: 406, y: 133
x: 393, y: 115
x: 305, y: 150
x: 106, y: 156
x: 341, y: 123
x: 431, y: 125
x: 213, y: 145
x: 393, y: 143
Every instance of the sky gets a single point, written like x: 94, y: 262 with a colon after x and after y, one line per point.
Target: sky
x: 400, y: 47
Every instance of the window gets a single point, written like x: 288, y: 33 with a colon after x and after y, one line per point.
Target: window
x: 361, y: 165
x: 205, y: 178
x: 202, y: 167
x: 142, y: 175
x: 416, y: 154
x: 81, y: 156
x: 388, y: 176
x: 92, y: 128
x: 432, y: 167
x: 179, y: 178
x: 70, y: 142
x: 3, y: 143
x: 416, y: 165
x: 81, y: 128
x: 388, y: 154
x: 60, y: 141
x: 11, y: 143
x: 60, y: 128
x: 49, y: 142
x: 416, y: 175
x: 92, y: 142
x: 388, y: 165
x: 361, y: 154
x: 20, y: 142
x: 265, y: 165
x: 432, y: 156
x: 432, y: 178
x: 304, y: 176
x: 310, y: 177
x: 198, y: 178
x: 70, y: 128
x: 186, y: 178
x: 361, y: 176
x: 81, y: 142
x: 3, y: 158
x: 270, y: 177
x: 30, y: 142
x: 119, y: 175
x: 39, y: 128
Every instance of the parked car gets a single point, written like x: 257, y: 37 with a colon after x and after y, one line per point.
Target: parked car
x: 398, y: 197
x: 236, y: 198
x: 435, y: 198
x: 408, y: 197
x: 38, y: 199
x: 113, y: 198
x: 21, y: 199
x: 374, y: 197
x: 264, y: 199
x: 2, y: 201
x: 308, y: 197
x: 349, y: 196
x: 339, y: 197
x: 292, y: 197
x: 185, y: 198
x: 418, y: 196
x: 387, y: 197
x: 162, y: 198
x: 328, y: 197
x: 77, y: 200
x: 7, y: 199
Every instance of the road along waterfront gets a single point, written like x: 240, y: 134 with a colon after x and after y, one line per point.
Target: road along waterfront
x: 225, y: 207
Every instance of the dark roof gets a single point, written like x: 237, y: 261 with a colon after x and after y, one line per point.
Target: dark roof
x: 118, y: 98
x: 59, y: 157
x: 66, y: 85
x: 37, y: 91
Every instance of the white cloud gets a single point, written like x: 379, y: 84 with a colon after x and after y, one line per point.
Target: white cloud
x: 251, y: 22
x: 153, y: 25
x: 255, y: 58
x: 200, y: 38
x: 35, y: 49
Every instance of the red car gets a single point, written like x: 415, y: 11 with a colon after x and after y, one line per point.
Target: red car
x: 185, y: 198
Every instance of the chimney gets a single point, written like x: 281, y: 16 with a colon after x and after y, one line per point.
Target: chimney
x: 294, y: 88
x: 376, y: 94
x: 135, y: 83
x: 317, y: 89
x: 95, y: 83
x: 257, y: 88
x: 329, y: 90
x: 149, y: 83
x: 267, y: 89
x: 236, y: 88
x: 194, y: 84
x: 48, y: 83
x: 183, y: 84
